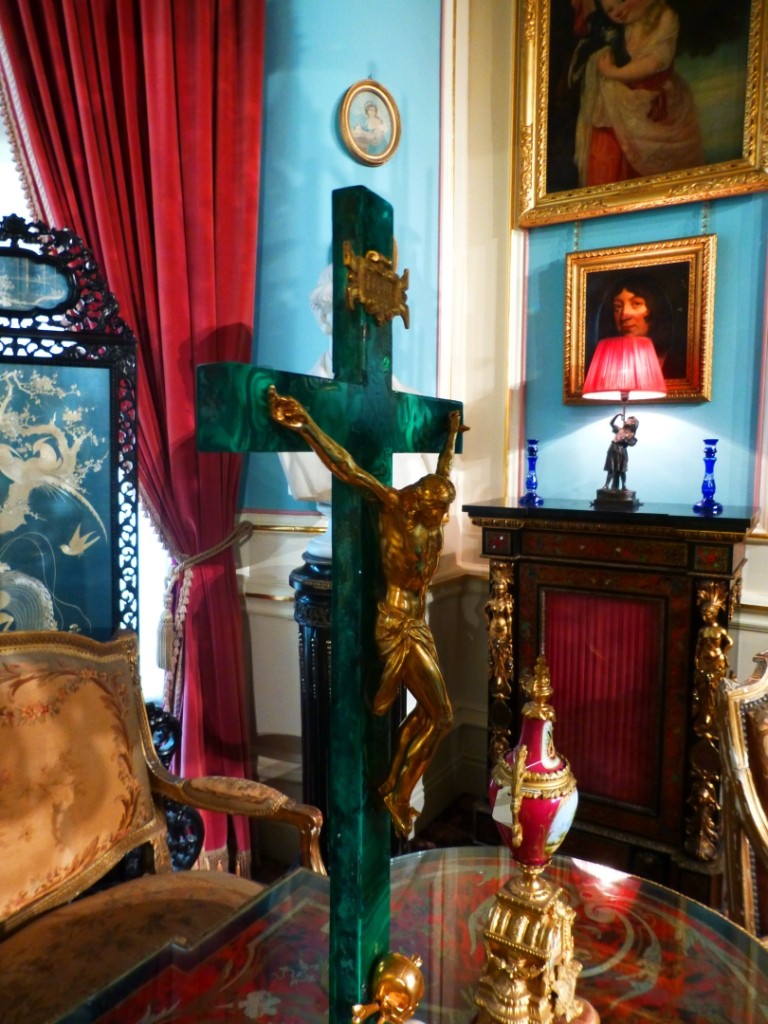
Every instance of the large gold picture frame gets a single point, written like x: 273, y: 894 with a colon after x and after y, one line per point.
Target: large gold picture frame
x: 720, y: 62
x: 676, y: 281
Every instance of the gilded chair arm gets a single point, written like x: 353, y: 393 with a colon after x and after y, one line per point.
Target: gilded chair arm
x: 752, y: 813
x: 740, y: 776
x: 255, y: 799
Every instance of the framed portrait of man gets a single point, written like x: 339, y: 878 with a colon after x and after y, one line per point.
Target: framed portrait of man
x: 625, y: 106
x: 663, y: 291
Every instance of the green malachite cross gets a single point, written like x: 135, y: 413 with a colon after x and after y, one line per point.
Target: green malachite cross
x: 359, y: 410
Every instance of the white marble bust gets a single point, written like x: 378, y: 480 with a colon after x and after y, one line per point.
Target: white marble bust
x: 308, y: 479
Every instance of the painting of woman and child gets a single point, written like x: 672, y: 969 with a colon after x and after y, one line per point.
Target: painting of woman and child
x: 639, y: 88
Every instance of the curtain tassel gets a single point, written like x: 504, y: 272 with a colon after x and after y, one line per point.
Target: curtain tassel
x: 165, y: 641
x: 213, y: 860
x: 166, y: 627
x: 243, y: 864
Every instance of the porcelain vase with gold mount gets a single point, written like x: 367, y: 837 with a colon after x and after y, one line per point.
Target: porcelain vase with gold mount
x: 529, y: 975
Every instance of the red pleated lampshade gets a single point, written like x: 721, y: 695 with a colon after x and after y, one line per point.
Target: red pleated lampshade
x: 624, y: 369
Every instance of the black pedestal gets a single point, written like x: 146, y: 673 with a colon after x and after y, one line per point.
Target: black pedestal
x: 312, y: 611
x: 313, y: 584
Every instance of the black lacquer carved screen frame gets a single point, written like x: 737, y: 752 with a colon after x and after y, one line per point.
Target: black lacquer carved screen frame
x: 68, y: 442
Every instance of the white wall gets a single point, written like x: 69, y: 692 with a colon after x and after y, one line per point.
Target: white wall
x: 12, y: 198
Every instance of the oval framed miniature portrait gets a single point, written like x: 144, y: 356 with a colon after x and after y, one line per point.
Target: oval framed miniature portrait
x: 369, y: 122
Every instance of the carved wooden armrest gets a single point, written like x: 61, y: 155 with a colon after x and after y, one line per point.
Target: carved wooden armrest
x: 255, y: 799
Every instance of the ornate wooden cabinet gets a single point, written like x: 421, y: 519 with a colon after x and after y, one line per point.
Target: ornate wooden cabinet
x: 630, y: 610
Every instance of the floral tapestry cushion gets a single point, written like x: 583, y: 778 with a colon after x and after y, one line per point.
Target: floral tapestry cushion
x: 74, y: 787
x: 54, y: 963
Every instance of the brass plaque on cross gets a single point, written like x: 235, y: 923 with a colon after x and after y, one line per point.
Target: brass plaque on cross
x: 374, y: 283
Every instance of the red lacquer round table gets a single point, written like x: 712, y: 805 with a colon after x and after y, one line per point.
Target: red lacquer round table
x: 648, y: 954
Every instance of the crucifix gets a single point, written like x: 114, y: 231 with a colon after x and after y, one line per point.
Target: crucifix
x: 362, y: 414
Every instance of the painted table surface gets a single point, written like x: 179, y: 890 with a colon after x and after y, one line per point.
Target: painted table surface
x: 648, y: 954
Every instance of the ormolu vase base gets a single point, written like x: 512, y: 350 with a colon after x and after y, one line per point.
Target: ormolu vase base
x: 588, y: 1015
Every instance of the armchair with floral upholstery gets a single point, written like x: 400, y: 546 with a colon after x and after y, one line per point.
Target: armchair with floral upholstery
x: 742, y: 713
x: 80, y: 786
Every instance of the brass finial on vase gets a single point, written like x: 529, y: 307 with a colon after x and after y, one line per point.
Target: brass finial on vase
x: 529, y: 975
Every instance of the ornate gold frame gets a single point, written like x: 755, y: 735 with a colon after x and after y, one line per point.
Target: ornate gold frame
x: 353, y: 98
x: 682, y: 266
x: 534, y: 205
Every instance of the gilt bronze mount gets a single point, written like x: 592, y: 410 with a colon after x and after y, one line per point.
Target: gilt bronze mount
x: 376, y: 285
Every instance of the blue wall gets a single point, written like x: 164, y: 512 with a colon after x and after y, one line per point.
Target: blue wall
x: 314, y: 53
x: 666, y: 464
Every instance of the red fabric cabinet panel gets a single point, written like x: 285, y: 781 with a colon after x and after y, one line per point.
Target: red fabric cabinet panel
x: 617, y: 647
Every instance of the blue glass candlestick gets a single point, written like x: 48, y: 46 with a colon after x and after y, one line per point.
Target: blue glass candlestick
x: 531, y: 481
x: 708, y: 506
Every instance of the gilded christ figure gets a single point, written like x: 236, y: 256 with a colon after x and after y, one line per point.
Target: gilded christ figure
x: 411, y: 522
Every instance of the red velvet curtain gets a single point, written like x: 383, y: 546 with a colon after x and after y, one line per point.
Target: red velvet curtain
x: 138, y: 123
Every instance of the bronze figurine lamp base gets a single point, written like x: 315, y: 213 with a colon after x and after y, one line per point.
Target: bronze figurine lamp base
x: 625, y: 368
